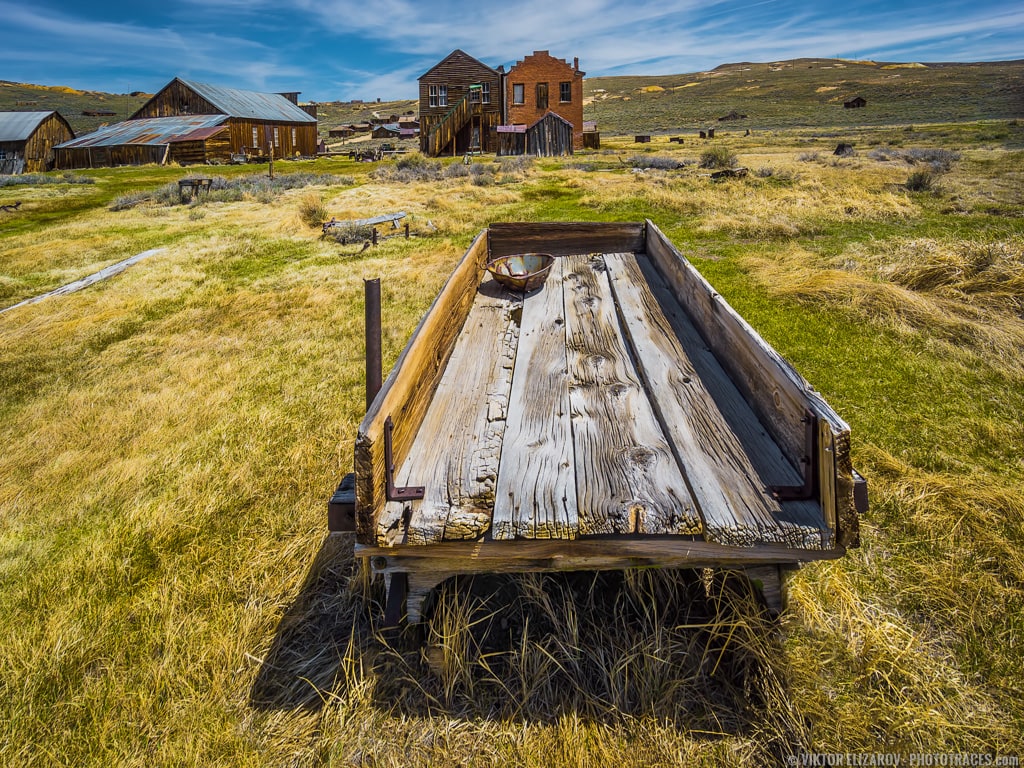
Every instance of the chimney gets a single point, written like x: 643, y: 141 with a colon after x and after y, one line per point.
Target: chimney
x: 576, y: 62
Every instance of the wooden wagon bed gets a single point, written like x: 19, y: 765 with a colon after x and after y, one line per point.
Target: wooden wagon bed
x: 622, y: 415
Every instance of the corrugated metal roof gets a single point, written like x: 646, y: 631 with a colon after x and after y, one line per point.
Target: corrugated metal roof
x: 252, y: 104
x: 18, y: 126
x: 152, y: 130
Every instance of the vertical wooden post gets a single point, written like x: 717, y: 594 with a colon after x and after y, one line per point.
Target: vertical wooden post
x: 371, y: 292
x: 271, y: 159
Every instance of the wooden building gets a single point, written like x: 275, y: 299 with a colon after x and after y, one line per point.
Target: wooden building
x: 27, y: 140
x: 184, y: 140
x: 540, y: 84
x: 855, y: 103
x: 460, y: 106
x: 190, y: 123
x: 257, y: 122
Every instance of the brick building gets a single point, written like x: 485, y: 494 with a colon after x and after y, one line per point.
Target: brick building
x: 540, y: 84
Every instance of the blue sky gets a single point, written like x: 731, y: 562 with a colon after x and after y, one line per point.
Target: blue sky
x: 366, y: 49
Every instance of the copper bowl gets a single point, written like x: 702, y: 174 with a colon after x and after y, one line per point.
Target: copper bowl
x: 521, y: 271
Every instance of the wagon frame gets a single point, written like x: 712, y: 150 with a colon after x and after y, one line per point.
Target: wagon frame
x: 766, y: 477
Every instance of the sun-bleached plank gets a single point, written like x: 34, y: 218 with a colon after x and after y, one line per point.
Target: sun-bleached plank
x: 455, y: 453
x: 627, y: 479
x: 536, y: 492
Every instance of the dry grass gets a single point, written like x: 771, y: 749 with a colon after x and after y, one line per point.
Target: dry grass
x: 169, y: 596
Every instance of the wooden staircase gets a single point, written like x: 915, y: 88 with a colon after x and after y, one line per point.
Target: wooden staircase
x: 454, y: 121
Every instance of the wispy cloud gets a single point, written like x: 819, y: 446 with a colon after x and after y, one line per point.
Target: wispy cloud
x: 354, y: 48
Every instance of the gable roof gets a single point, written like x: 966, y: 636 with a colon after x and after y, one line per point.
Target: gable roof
x: 19, y: 126
x: 234, y: 102
x: 458, y: 53
x: 149, y: 131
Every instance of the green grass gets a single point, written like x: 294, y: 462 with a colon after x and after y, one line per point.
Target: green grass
x: 168, y: 594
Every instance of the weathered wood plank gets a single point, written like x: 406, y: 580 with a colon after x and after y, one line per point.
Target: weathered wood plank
x: 536, y: 491
x: 801, y: 521
x: 583, y: 554
x: 455, y: 454
x: 407, y: 391
x: 562, y: 239
x: 627, y: 479
x: 780, y: 396
x: 730, y: 496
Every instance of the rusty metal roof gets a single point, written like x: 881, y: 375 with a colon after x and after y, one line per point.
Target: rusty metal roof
x: 153, y: 130
x: 251, y: 104
x: 18, y: 126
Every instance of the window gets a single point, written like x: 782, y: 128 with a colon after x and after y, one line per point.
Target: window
x: 295, y: 141
x: 542, y: 95
x: 255, y: 137
x: 518, y: 93
x: 277, y: 142
x: 565, y: 92
x: 474, y: 94
x: 485, y: 91
x: 438, y: 95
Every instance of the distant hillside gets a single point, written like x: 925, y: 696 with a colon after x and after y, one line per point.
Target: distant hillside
x: 71, y: 103
x: 786, y: 94
x: 807, y: 92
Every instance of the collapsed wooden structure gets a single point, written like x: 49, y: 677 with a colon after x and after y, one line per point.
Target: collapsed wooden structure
x: 621, y: 416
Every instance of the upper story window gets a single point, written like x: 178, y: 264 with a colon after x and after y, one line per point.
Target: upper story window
x: 565, y: 92
x: 518, y: 93
x: 485, y: 93
x: 438, y: 95
x: 542, y: 95
x: 474, y: 94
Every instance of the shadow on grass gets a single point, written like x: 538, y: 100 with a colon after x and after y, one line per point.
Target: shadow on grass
x: 691, y: 649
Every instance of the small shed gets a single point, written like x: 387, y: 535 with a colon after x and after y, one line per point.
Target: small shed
x: 27, y: 140
x: 387, y: 131
x: 550, y: 136
x: 855, y: 103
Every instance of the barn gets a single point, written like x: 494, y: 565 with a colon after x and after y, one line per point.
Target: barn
x: 27, y: 140
x: 188, y: 122
x: 460, y: 106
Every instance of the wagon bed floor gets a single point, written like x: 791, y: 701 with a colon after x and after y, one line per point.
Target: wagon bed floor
x: 590, y: 407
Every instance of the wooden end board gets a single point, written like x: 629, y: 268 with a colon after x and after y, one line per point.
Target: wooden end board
x: 410, y: 386
x: 779, y: 395
x: 564, y: 239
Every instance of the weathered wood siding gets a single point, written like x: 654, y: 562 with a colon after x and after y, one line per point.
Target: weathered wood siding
x: 174, y: 99
x: 35, y: 154
x: 457, y: 72
x: 108, y: 157
x: 290, y: 140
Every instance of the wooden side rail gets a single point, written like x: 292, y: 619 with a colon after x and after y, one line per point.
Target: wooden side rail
x: 781, y: 397
x: 410, y: 386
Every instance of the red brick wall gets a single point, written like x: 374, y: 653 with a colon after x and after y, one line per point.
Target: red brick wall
x: 541, y: 67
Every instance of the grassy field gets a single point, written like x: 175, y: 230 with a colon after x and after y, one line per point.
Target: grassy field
x: 168, y: 592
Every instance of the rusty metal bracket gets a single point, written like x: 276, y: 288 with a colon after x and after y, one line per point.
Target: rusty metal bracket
x: 809, y: 490
x: 391, y: 491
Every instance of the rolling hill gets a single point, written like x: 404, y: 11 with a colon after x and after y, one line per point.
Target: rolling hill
x: 785, y: 94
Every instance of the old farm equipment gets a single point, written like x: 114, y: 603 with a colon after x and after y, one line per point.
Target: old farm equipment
x: 621, y: 415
